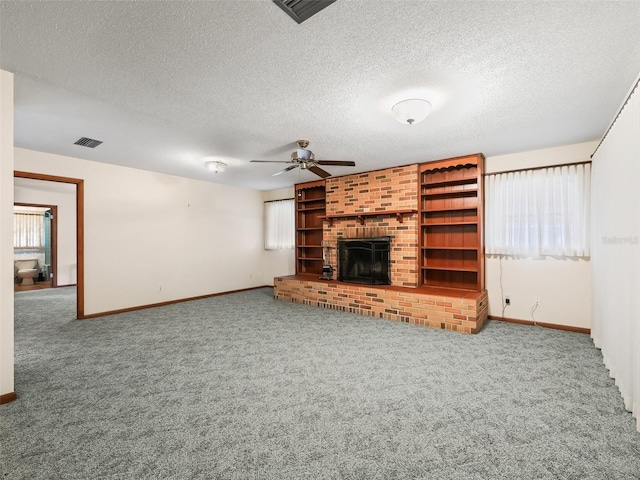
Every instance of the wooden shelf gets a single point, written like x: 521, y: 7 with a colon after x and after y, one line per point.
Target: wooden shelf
x: 448, y: 224
x: 310, y: 209
x: 450, y: 209
x: 446, y: 183
x: 306, y: 229
x: 361, y: 216
x: 309, y: 246
x: 311, y: 259
x: 451, y: 269
x: 451, y: 248
x: 453, y: 193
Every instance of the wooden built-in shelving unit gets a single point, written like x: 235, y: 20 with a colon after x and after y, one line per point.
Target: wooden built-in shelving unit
x: 310, y: 210
x: 451, y: 221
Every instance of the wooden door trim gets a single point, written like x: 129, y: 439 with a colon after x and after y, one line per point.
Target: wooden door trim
x: 79, y: 183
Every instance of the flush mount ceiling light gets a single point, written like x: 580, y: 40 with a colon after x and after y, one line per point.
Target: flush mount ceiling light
x: 413, y: 110
x: 216, y: 166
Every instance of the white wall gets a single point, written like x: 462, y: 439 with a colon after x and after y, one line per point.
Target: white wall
x: 6, y: 233
x: 63, y: 195
x: 278, y: 262
x: 616, y: 251
x: 151, y: 238
x: 563, y: 285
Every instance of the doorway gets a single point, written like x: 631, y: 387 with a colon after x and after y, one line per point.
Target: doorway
x: 35, y: 244
x: 74, y: 270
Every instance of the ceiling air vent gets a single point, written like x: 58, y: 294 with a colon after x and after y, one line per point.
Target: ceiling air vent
x: 88, y: 142
x: 300, y: 10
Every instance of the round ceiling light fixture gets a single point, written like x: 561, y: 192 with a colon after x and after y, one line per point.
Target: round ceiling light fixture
x: 216, y: 166
x: 413, y: 110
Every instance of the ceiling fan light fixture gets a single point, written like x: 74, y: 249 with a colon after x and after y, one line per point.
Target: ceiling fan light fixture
x: 304, y: 154
x: 411, y: 111
x: 215, y: 166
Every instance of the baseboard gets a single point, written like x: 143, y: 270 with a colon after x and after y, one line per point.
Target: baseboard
x: 170, y: 302
x: 7, y: 397
x: 542, y: 324
x: 66, y: 285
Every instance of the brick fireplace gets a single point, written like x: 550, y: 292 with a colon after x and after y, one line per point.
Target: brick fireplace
x: 368, y: 193
x: 375, y: 205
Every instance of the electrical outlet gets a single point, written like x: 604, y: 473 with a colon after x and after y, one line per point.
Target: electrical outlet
x: 538, y: 302
x: 507, y: 301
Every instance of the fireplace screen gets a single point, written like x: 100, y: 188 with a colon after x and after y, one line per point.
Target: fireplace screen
x: 364, y: 260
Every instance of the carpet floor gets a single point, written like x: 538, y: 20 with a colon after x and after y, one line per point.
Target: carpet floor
x: 242, y: 386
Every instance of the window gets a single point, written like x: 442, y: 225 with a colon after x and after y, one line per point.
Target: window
x: 28, y: 230
x: 279, y: 231
x: 538, y: 212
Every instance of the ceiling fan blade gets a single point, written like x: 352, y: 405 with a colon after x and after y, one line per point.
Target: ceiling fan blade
x: 280, y: 150
x: 285, y: 170
x: 340, y: 163
x: 271, y: 161
x: 318, y: 171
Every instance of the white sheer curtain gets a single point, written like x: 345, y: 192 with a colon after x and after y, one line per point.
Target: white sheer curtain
x: 616, y: 253
x: 538, y: 212
x: 279, y: 221
x: 28, y: 230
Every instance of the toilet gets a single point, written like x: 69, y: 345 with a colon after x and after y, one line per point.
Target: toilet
x: 26, y: 270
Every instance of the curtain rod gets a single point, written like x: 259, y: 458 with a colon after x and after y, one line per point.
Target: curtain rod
x: 279, y: 200
x: 538, y: 168
x: 624, y: 104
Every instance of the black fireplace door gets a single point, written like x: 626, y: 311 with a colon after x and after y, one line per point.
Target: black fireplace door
x: 364, y: 261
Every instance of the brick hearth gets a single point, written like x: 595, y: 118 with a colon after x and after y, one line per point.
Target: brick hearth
x: 460, y: 311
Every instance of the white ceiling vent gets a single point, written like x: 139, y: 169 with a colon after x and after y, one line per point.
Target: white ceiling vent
x: 300, y: 10
x: 88, y: 142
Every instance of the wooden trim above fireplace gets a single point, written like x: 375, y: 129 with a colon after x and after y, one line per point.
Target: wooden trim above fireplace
x: 361, y: 216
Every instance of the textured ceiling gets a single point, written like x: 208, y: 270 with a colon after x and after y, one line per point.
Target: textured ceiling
x: 165, y: 84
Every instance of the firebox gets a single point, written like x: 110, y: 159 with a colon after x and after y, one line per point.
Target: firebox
x: 364, y: 260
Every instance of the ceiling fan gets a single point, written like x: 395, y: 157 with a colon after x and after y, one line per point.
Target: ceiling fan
x: 305, y: 160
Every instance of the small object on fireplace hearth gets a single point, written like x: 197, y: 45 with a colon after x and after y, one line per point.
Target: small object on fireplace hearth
x: 327, y: 272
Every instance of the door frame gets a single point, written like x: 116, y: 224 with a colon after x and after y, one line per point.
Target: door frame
x: 79, y: 183
x: 54, y: 238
